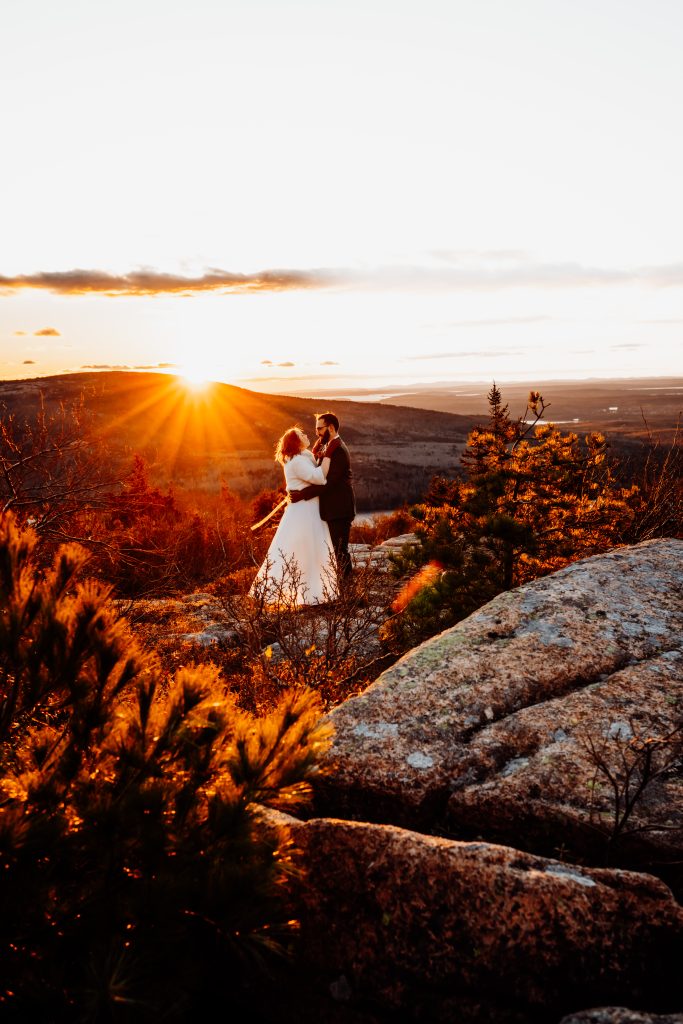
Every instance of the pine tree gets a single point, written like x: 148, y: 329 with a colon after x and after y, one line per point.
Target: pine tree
x: 531, y: 499
x: 135, y: 878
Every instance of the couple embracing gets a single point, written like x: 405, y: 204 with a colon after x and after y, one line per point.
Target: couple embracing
x: 308, y: 559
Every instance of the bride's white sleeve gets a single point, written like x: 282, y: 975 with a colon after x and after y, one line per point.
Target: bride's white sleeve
x: 308, y: 471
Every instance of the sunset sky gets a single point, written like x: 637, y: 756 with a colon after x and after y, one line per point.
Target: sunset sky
x: 287, y: 195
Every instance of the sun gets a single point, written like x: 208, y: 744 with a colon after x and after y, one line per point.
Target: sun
x: 195, y: 377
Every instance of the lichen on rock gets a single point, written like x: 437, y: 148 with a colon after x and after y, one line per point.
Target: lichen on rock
x: 595, y: 650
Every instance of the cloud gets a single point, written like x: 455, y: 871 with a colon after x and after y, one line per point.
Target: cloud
x: 125, y: 366
x: 20, y: 334
x: 628, y: 344
x: 153, y: 282
x: 480, y: 354
x: 266, y: 362
x: 29, y: 362
x: 484, y: 271
x: 287, y: 363
x: 158, y: 366
x: 329, y: 362
x: 47, y: 332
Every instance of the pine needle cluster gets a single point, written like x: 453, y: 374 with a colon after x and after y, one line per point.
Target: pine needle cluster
x: 136, y: 880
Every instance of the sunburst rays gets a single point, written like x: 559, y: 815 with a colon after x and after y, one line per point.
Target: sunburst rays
x: 165, y: 413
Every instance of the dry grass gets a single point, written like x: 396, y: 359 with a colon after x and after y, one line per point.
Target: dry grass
x: 263, y: 649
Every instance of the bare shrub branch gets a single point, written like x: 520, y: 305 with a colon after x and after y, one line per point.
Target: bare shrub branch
x: 626, y: 763
x: 332, y: 646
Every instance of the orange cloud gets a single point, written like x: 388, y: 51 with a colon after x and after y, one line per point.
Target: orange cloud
x: 151, y: 282
x: 48, y: 332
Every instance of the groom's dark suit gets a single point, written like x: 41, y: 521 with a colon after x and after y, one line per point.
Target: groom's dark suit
x: 337, y: 503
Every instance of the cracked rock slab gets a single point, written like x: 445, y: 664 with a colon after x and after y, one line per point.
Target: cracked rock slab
x: 532, y: 775
x: 482, y: 722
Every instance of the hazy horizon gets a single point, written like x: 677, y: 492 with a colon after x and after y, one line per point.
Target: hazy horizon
x: 349, y: 391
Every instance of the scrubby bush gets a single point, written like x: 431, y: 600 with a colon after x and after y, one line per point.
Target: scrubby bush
x: 383, y: 527
x: 264, y: 503
x: 154, y: 542
x: 136, y: 882
x: 531, y: 500
x: 658, y: 511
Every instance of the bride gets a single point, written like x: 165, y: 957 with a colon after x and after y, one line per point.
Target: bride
x: 300, y: 566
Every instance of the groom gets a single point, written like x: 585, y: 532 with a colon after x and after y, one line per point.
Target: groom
x: 337, y: 500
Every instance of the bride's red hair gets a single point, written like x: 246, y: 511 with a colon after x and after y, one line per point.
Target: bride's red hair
x: 289, y: 445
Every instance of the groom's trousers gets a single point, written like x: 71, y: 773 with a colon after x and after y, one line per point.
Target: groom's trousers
x: 339, y: 535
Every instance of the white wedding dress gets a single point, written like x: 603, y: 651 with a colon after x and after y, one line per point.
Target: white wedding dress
x: 300, y: 566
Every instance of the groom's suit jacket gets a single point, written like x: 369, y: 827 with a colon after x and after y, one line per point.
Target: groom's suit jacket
x: 337, y: 500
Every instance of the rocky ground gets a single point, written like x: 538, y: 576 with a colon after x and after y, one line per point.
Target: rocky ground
x: 549, y: 721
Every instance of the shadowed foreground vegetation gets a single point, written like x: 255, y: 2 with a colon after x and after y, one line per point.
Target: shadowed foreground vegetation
x: 136, y: 882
